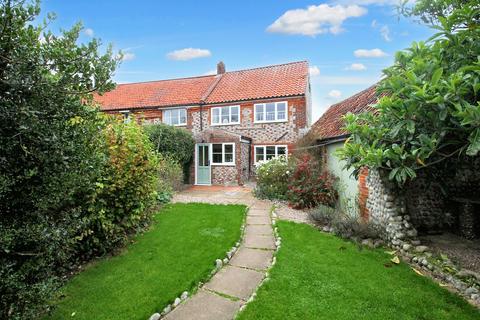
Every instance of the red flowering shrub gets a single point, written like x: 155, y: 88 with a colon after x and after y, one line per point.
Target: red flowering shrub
x: 308, y: 186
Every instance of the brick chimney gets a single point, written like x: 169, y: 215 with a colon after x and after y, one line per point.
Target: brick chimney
x: 220, y: 67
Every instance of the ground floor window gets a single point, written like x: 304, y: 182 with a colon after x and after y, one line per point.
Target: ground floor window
x: 223, y: 153
x: 263, y: 153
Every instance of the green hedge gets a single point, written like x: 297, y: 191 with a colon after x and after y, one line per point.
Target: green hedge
x: 174, y: 142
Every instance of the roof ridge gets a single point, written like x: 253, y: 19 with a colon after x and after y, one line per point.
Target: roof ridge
x: 171, y: 79
x: 269, y: 66
x: 213, y: 75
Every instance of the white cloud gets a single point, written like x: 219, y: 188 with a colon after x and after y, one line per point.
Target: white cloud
x: 89, y: 32
x: 315, y: 19
x: 372, y: 53
x: 188, y: 54
x: 314, y: 71
x: 356, y: 67
x: 335, y: 94
x: 127, y: 56
x: 385, y: 32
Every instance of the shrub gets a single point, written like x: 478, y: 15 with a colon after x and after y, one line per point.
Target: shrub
x: 50, y: 153
x: 126, y: 191
x: 173, y: 142
x: 170, y: 178
x: 308, y: 186
x: 272, y: 178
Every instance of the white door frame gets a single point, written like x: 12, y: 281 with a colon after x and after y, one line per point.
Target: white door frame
x: 196, y: 163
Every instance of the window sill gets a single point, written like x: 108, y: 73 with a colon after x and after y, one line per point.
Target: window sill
x: 223, y: 165
x: 224, y: 124
x: 270, y: 121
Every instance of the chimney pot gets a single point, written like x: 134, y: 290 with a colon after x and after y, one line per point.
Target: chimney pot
x: 220, y: 67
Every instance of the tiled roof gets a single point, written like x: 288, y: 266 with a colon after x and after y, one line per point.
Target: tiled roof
x: 282, y: 80
x: 273, y: 81
x: 330, y: 124
x: 186, y: 91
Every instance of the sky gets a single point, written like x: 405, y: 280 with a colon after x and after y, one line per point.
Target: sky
x: 346, y: 42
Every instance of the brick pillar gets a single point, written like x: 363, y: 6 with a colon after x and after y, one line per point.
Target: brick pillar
x: 363, y: 193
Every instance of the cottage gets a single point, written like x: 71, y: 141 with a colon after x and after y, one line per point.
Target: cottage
x: 329, y: 133
x: 237, y: 118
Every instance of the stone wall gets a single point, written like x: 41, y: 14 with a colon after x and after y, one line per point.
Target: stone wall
x: 386, y: 208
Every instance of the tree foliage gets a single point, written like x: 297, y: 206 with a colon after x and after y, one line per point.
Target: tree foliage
x: 71, y: 182
x: 430, y: 109
x: 175, y: 143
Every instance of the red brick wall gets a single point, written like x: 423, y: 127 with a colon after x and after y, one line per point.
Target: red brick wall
x: 363, y: 193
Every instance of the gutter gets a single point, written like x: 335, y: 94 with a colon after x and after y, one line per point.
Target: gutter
x: 330, y: 140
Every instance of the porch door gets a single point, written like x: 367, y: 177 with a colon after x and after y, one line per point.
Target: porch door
x: 203, y: 164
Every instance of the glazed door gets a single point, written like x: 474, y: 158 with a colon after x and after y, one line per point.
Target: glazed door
x: 203, y: 164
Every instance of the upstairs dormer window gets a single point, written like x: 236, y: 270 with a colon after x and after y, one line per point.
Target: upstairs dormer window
x: 175, y: 117
x: 271, y: 112
x: 126, y: 116
x: 226, y: 115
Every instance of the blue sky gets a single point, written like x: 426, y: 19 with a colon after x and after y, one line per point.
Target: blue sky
x: 347, y: 42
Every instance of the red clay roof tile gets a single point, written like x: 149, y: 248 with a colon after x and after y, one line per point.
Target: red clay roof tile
x: 330, y: 124
x: 282, y: 80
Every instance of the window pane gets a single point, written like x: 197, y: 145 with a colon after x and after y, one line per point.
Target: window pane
x: 167, y: 117
x: 201, y: 158
x: 270, y: 111
x: 259, y: 112
x: 217, y: 153
x: 225, y: 115
x: 228, y: 157
x: 183, y: 116
x: 229, y: 148
x: 281, y: 151
x: 270, y: 152
x: 235, y: 114
x: 281, y: 111
x: 259, y: 154
x: 217, y: 148
x: 217, y: 158
x: 216, y: 115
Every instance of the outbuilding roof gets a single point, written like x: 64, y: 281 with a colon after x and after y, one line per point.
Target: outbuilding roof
x: 330, y: 125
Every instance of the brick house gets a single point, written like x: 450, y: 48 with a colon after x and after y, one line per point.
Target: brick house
x: 237, y: 118
x: 329, y: 134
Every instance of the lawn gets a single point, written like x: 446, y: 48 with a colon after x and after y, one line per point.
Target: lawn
x: 319, y: 276
x: 173, y: 256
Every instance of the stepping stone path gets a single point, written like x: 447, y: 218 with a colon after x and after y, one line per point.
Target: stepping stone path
x: 230, y: 288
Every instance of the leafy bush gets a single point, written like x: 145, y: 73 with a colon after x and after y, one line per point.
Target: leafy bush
x: 308, y: 186
x: 50, y: 151
x: 126, y: 190
x: 173, y: 142
x: 170, y: 178
x: 272, y: 178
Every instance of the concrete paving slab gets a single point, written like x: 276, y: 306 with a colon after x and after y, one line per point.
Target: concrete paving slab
x: 258, y: 212
x: 256, y: 241
x: 235, y: 281
x: 252, y: 258
x: 205, y: 305
x: 258, y: 220
x: 259, y: 230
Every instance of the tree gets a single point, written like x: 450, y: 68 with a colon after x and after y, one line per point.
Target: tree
x: 430, y: 109
x: 49, y: 149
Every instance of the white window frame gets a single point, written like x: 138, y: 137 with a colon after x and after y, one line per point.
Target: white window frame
x: 170, y: 110
x: 265, y: 112
x: 126, y: 115
x: 220, y: 117
x: 223, y: 163
x: 265, y: 150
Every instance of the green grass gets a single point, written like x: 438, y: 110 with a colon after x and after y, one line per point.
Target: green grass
x: 319, y: 276
x: 173, y: 256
